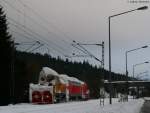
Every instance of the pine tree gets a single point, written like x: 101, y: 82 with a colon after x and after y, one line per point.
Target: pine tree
x: 5, y: 60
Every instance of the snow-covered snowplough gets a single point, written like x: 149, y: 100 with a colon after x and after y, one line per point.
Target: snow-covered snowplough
x: 53, y: 87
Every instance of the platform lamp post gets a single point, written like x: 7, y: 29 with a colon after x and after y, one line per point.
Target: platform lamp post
x: 109, y: 18
x: 138, y: 65
x: 126, y: 55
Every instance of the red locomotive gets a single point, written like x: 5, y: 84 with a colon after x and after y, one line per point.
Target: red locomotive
x: 54, y: 87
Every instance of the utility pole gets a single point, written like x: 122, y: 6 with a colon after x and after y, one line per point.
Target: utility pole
x: 12, y: 81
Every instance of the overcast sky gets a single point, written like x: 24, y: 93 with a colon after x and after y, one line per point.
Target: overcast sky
x: 86, y: 21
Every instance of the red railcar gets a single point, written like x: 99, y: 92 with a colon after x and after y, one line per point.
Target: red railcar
x: 75, y: 90
x: 78, y: 89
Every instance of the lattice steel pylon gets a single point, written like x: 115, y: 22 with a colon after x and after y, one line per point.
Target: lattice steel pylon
x: 102, y: 89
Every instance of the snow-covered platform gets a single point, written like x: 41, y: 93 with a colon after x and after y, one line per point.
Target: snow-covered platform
x: 90, y: 106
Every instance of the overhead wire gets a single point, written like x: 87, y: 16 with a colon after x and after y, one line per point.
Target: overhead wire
x: 60, y: 49
x: 36, y: 48
x: 36, y: 21
x: 86, y: 51
x: 79, y: 49
x: 19, y: 26
x: 66, y: 36
x: 29, y: 38
x: 29, y: 43
x: 31, y: 46
x: 47, y: 22
x: 23, y: 26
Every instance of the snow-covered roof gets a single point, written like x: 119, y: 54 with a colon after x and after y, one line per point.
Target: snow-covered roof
x: 72, y: 79
x: 64, y: 78
x: 49, y: 71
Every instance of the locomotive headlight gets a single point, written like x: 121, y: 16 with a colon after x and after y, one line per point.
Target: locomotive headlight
x: 47, y: 96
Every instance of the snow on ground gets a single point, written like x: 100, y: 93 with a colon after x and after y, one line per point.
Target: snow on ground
x: 90, y: 106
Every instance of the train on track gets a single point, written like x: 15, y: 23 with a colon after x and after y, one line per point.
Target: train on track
x: 54, y: 88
